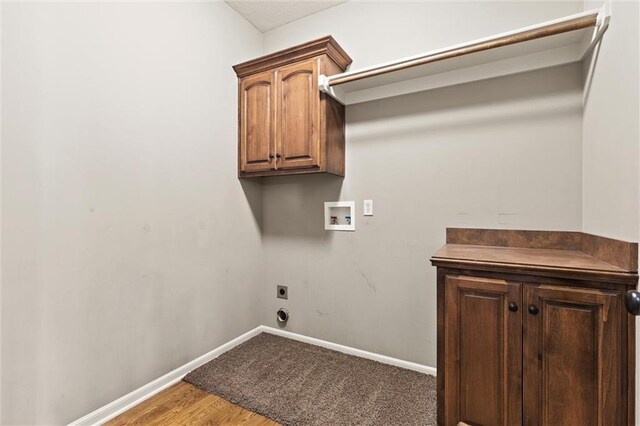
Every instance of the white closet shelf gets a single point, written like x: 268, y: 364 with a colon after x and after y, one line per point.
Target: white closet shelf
x: 561, y: 41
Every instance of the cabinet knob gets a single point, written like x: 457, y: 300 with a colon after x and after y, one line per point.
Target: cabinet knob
x: 278, y: 155
x: 533, y: 310
x: 271, y: 155
x: 632, y: 302
x: 513, y: 307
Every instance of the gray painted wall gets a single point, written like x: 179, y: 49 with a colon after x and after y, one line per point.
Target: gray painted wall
x: 503, y: 153
x: 611, y: 129
x: 129, y: 246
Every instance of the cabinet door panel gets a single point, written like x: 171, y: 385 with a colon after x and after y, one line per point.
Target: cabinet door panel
x: 483, y: 352
x: 257, y: 122
x: 298, y: 116
x: 572, y: 356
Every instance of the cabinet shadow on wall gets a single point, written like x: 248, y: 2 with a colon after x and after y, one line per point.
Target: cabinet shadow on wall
x: 253, y: 193
x: 293, y: 206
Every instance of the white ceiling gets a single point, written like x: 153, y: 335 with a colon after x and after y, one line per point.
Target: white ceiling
x: 266, y: 15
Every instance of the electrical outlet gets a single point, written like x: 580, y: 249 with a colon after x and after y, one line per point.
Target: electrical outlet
x: 368, y: 207
x: 282, y: 292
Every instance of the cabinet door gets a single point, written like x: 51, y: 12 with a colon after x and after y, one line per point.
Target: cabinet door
x: 572, y: 356
x: 298, y: 141
x: 257, y: 122
x: 483, y: 352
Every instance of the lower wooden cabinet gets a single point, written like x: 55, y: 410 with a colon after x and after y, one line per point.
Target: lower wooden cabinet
x: 533, y: 329
x: 517, y: 352
x: 482, y: 353
x: 573, y: 356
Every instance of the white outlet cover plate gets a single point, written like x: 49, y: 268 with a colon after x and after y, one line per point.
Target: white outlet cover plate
x: 340, y: 206
x: 367, y: 207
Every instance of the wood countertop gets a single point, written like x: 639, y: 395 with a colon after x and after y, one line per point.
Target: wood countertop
x: 513, y: 251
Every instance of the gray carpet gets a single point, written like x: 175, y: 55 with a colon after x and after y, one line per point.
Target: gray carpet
x: 296, y: 383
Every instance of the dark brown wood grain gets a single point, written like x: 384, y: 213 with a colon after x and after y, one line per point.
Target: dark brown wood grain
x: 482, y: 353
x: 573, y: 357
x: 560, y: 240
x: 621, y: 254
x: 628, y: 279
x: 616, y: 252
x: 565, y: 259
x: 578, y: 351
x: 312, y: 49
x: 628, y: 371
x: 441, y: 344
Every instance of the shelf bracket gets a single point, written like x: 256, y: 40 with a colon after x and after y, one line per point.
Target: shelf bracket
x: 602, y: 23
x: 335, y: 92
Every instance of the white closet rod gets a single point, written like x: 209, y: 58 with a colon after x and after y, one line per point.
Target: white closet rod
x: 551, y: 28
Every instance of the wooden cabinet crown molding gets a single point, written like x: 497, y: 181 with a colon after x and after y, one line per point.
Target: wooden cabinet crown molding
x: 321, y: 46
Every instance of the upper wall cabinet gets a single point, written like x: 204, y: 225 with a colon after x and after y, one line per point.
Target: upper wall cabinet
x: 286, y: 125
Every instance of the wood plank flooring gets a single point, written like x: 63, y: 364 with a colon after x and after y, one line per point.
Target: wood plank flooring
x: 184, y: 404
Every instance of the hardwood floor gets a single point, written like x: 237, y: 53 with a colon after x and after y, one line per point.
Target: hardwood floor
x: 184, y: 404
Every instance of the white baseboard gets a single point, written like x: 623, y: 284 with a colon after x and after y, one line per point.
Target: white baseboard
x: 352, y: 351
x: 130, y: 400
x: 120, y: 405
